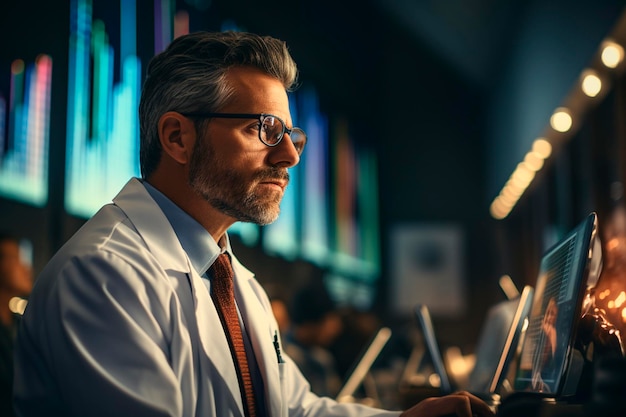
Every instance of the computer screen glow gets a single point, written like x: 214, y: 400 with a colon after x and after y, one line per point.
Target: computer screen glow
x: 25, y: 132
x: 102, y: 128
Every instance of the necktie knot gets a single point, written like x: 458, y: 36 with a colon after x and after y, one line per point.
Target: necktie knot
x: 222, y: 273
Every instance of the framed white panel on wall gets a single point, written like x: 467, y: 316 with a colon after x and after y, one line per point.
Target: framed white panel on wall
x: 426, y: 262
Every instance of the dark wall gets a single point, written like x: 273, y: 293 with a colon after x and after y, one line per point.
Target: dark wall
x: 432, y: 164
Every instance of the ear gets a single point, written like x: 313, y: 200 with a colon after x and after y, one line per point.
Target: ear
x: 178, y: 135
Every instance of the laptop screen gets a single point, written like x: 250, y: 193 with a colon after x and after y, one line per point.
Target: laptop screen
x: 422, y: 313
x: 363, y: 365
x: 496, y: 348
x: 548, y: 344
x: 498, y: 342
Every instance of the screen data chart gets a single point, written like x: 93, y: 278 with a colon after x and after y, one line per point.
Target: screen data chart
x: 25, y: 132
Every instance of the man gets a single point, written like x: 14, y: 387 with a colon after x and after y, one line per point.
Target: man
x: 15, y: 283
x: 128, y: 318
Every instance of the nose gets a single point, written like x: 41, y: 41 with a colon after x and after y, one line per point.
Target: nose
x: 284, y: 154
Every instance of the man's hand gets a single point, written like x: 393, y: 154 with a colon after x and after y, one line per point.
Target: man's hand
x: 460, y: 404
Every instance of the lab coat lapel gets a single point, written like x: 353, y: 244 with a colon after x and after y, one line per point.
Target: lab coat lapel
x: 261, y: 332
x: 152, y: 225
x: 213, y: 338
x: 155, y: 229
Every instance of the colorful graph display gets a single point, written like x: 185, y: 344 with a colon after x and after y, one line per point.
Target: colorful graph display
x: 356, y: 236
x: 25, y: 132
x: 102, y: 128
x: 315, y: 208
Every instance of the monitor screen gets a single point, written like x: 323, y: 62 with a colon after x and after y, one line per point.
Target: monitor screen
x: 498, y: 342
x: 549, y: 340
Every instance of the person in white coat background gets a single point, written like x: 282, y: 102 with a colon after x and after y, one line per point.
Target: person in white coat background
x: 121, y: 322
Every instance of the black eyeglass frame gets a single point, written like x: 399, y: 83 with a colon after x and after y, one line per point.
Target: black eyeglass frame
x: 261, y: 117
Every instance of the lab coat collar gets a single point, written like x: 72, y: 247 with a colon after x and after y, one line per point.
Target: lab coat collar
x: 152, y: 225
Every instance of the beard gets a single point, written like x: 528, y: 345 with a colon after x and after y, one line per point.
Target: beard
x: 232, y: 191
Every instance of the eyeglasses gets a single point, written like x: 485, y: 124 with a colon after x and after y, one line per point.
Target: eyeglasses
x: 271, y: 128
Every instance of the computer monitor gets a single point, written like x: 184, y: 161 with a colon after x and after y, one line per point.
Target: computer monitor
x: 549, y: 363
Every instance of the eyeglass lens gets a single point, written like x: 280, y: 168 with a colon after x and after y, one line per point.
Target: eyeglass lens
x: 273, y: 129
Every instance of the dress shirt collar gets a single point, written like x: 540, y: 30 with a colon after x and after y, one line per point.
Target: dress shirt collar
x: 195, y: 240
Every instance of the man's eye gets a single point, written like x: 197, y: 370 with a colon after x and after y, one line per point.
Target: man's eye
x: 256, y: 126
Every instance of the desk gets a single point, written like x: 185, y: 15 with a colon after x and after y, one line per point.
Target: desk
x: 528, y: 405
x: 515, y: 405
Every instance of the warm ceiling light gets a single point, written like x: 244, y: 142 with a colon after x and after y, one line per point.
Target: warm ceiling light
x: 591, y: 83
x: 508, y: 200
x: 522, y: 178
x: 523, y: 171
x: 561, y: 121
x: 542, y: 148
x: 513, y: 190
x: 511, y: 193
x: 533, y: 160
x: 497, y: 211
x: 612, y: 54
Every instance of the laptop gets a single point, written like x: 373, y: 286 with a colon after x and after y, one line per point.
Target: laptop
x: 496, y: 347
x: 363, y: 365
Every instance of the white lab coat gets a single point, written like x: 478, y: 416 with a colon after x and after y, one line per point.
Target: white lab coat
x: 120, y: 324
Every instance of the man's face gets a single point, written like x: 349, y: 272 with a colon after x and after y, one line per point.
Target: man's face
x: 15, y: 275
x: 230, y: 167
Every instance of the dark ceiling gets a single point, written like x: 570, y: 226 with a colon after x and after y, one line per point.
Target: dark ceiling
x: 469, y: 36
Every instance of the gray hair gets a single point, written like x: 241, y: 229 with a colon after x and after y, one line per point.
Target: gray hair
x: 189, y: 76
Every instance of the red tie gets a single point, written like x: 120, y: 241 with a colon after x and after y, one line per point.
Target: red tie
x: 224, y: 298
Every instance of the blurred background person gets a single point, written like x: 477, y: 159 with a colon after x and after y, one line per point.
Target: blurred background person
x: 279, y: 301
x: 16, y: 282
x: 315, y: 325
